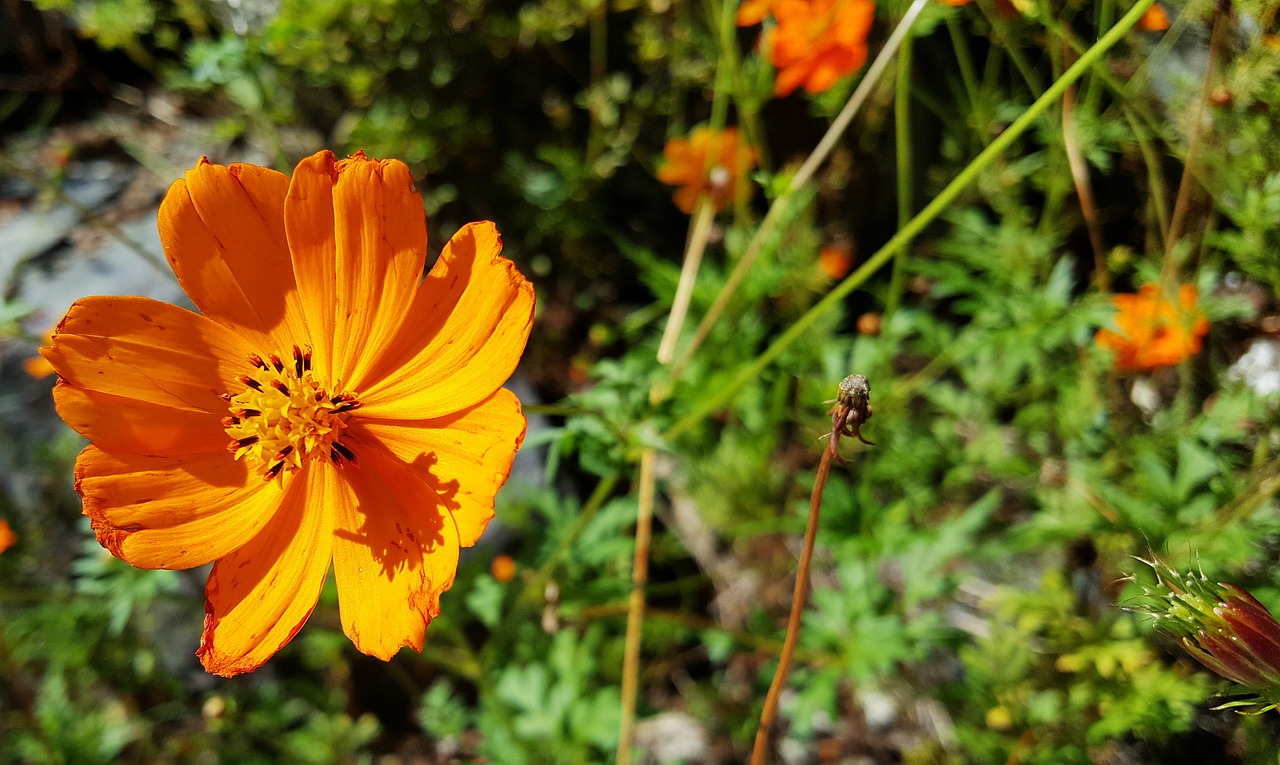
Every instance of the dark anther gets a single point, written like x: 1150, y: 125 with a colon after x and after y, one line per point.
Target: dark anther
x: 347, y: 406
x: 280, y: 387
x: 297, y: 361
x: 344, y: 451
x: 247, y: 441
x: 249, y: 413
x: 256, y: 360
x: 285, y: 452
x: 226, y: 397
x: 333, y: 455
x: 277, y: 363
x: 229, y: 421
x: 252, y: 383
x: 274, y: 471
x: 306, y: 360
x: 851, y: 412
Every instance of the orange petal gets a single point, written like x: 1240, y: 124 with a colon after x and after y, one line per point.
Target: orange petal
x: 143, y: 349
x: 367, y: 218
x: 463, y: 336
x: 135, y: 426
x: 7, y: 537
x: 309, y: 225
x: 465, y: 457
x: 223, y: 233
x: 394, y: 553
x: 176, y: 513
x: 259, y: 596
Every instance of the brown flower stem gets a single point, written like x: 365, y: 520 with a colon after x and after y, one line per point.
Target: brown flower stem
x: 635, y: 606
x: 851, y: 411
x: 1084, y: 191
x: 770, y: 711
x: 699, y: 231
x: 1182, y: 203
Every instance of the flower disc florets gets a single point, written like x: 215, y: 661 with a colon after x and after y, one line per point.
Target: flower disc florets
x: 284, y: 416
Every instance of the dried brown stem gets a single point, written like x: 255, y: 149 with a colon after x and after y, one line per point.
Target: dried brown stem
x: 852, y: 409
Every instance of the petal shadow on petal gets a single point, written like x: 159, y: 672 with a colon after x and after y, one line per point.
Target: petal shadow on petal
x: 400, y: 517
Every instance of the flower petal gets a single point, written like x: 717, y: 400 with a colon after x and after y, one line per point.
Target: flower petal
x: 463, y: 336
x: 259, y: 596
x: 394, y: 553
x: 176, y: 513
x: 223, y: 232
x: 357, y: 229
x: 144, y: 349
x: 133, y: 426
x: 465, y: 458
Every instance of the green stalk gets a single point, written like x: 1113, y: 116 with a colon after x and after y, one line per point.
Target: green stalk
x: 902, y: 142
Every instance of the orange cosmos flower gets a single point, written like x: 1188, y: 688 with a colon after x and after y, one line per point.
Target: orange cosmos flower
x: 363, y: 404
x: 7, y: 537
x: 816, y: 42
x: 1153, y: 331
x: 707, y: 162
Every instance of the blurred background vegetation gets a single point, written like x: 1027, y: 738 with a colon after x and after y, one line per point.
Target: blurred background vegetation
x: 969, y: 584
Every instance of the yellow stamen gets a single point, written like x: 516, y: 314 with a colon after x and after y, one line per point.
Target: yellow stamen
x: 284, y: 417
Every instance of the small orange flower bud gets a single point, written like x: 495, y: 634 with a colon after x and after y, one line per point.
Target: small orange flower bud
x: 503, y: 568
x: 869, y: 323
x: 835, y: 260
x: 1154, y: 20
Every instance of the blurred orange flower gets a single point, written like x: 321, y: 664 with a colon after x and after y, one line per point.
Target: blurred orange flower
x: 37, y: 366
x: 7, y: 537
x: 835, y: 260
x: 816, y: 42
x: 752, y: 12
x: 503, y: 568
x: 1154, y: 20
x: 1152, y: 331
x: 368, y: 427
x: 708, y: 162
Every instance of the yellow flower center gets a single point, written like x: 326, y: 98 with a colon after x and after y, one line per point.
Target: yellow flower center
x: 284, y: 416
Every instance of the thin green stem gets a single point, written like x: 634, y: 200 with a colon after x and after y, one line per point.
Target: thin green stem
x: 536, y: 584
x: 902, y: 145
x: 964, y: 61
x: 719, y: 397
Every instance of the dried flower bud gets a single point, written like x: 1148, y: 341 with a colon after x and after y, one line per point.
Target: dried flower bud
x: 851, y: 412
